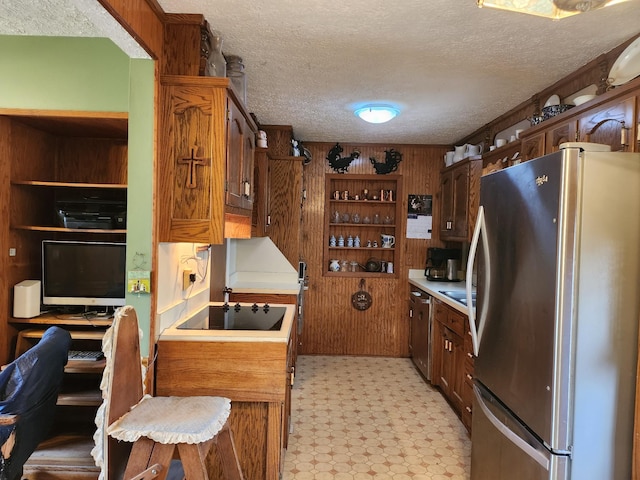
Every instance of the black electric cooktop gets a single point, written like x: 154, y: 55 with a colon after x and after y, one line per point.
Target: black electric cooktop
x: 236, y: 317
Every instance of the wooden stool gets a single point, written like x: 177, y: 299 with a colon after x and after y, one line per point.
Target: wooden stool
x: 158, y: 427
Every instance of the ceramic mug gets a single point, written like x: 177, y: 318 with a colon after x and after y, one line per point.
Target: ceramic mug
x: 501, y: 142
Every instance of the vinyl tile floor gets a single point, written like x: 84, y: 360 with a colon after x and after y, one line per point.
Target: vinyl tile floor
x: 371, y: 418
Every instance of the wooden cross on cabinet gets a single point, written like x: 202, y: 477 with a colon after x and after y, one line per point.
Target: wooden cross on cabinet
x: 193, y: 161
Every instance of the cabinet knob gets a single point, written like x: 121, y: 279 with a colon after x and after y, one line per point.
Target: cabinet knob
x: 469, y: 377
x: 468, y: 409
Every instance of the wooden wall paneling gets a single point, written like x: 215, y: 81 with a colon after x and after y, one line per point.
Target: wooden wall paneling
x: 285, y: 202
x: 84, y: 160
x: 332, y: 325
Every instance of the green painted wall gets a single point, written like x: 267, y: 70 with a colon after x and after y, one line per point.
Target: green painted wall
x: 93, y: 74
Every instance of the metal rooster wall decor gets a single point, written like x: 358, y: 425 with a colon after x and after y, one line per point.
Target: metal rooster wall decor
x: 341, y: 164
x: 391, y: 160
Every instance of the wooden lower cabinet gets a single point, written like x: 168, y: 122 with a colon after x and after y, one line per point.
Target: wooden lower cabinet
x: 452, y: 359
x: 256, y: 376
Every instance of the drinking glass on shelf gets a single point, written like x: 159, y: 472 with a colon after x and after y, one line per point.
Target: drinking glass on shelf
x: 376, y: 218
x: 345, y: 217
x: 387, y: 220
x: 355, y: 218
x: 336, y: 217
x: 366, y: 219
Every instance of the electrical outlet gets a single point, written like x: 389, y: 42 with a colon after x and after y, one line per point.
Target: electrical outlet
x: 186, y: 279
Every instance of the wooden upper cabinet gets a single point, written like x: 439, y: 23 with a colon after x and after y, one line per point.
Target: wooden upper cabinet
x: 240, y: 159
x: 559, y: 134
x: 610, y: 124
x: 204, y: 150
x: 533, y: 147
x: 457, y: 215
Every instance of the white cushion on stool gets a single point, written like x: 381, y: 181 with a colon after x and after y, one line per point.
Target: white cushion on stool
x: 170, y: 420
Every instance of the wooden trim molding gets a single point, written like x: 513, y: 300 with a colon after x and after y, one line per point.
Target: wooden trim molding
x: 143, y: 19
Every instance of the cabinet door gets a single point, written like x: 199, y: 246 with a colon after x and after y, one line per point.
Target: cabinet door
x: 555, y: 136
x: 454, y: 188
x: 456, y: 357
x: 612, y: 124
x: 533, y: 147
x: 248, y: 155
x: 446, y: 203
x: 191, y: 163
x: 236, y: 137
x: 460, y: 201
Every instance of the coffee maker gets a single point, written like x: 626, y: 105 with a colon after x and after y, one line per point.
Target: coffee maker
x: 436, y: 267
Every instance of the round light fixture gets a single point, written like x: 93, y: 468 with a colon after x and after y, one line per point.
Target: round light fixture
x: 377, y: 113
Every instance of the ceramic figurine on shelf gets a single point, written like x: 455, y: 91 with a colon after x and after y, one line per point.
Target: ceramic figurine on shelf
x: 356, y: 241
x: 332, y: 241
x: 295, y: 148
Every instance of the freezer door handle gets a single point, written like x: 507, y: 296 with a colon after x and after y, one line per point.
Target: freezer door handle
x: 479, y: 232
x: 509, y: 434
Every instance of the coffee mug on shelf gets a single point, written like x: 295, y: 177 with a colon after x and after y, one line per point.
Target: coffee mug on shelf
x: 501, y: 142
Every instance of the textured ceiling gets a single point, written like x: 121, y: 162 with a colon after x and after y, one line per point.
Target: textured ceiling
x: 65, y: 18
x: 450, y: 66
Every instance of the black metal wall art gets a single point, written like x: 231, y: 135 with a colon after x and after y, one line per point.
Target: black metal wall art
x: 391, y: 160
x: 341, y: 164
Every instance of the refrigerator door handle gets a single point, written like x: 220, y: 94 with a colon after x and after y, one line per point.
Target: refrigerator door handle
x: 480, y: 231
x: 523, y: 445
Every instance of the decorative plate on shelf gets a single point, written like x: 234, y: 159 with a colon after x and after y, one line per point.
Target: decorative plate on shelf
x: 627, y: 65
x: 553, y: 100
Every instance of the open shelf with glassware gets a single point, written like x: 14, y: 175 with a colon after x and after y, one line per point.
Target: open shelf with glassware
x: 363, y: 219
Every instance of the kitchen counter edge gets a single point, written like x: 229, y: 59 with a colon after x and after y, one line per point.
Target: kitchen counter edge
x: 433, y: 289
x: 172, y: 333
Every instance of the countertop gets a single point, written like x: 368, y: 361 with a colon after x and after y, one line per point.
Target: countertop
x: 282, y: 335
x: 417, y: 279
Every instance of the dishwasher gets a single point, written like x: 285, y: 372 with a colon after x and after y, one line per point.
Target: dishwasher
x: 420, y: 331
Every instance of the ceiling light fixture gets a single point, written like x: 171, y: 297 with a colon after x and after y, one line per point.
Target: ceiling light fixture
x: 555, y: 9
x: 377, y: 113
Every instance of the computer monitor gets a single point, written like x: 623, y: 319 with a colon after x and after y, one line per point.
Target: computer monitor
x: 83, y: 273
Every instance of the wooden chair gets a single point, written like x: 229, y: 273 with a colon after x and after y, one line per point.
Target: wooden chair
x: 160, y: 428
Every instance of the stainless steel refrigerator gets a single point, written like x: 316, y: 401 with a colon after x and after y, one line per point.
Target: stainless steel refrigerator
x: 555, y: 330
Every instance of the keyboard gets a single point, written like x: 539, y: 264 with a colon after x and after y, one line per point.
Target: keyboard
x: 86, y: 355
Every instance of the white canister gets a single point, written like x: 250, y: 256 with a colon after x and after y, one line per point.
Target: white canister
x: 389, y: 267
